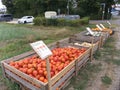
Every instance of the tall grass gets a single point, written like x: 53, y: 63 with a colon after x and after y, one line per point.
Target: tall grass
x: 8, y: 32
x: 15, y: 39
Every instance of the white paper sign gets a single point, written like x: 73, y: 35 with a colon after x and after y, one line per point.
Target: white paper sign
x: 89, y: 30
x: 102, y: 26
x: 108, y: 22
x: 41, y: 49
x: 99, y: 27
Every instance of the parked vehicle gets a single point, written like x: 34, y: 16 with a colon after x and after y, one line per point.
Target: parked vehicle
x: 117, y: 7
x: 115, y: 13
x: 6, y: 17
x: 26, y: 19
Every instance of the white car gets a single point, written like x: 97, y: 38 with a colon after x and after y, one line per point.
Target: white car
x: 117, y: 7
x: 115, y: 13
x: 26, y: 19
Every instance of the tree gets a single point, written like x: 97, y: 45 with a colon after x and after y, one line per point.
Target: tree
x: 38, y: 7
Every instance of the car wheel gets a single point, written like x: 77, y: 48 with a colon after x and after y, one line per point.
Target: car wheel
x: 25, y: 22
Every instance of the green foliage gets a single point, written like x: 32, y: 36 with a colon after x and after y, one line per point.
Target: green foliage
x: 51, y: 22
x: 84, y: 20
x: 106, y: 80
x: 72, y: 22
x: 97, y: 55
x: 11, y: 85
x: 60, y: 22
x: 39, y: 21
x: 116, y: 61
x: 84, y: 8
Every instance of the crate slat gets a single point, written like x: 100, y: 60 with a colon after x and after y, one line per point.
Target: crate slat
x: 87, y: 52
x: 20, y: 80
x: 61, y: 73
x: 62, y: 80
x: 25, y: 76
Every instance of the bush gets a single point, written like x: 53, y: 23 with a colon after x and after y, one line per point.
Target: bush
x: 84, y: 20
x: 39, y: 21
x: 73, y: 23
x: 60, y: 22
x: 51, y: 22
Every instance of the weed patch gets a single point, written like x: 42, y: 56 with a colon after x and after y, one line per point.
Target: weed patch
x: 106, y: 80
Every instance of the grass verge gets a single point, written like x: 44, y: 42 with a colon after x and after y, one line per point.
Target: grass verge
x: 106, y: 80
x: 85, y: 74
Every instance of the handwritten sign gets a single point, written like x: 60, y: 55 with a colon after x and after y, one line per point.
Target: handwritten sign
x: 102, y: 26
x: 41, y: 49
x: 99, y: 27
x: 89, y: 30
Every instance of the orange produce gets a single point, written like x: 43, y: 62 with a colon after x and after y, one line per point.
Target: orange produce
x: 104, y: 30
x: 36, y: 67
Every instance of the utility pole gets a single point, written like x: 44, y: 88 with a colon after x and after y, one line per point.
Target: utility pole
x: 68, y: 7
x: 103, y: 10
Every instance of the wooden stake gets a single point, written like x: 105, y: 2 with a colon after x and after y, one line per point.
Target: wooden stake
x: 100, y: 42
x: 58, y: 44
x: 91, y: 54
x: 48, y: 74
x: 76, y: 67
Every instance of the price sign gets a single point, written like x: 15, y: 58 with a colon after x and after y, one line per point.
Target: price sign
x: 89, y: 30
x: 99, y: 27
x: 102, y: 26
x: 41, y: 49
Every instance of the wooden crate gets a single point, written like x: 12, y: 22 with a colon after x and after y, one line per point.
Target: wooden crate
x: 105, y: 37
x: 82, y: 60
x: 95, y: 47
x: 59, y: 80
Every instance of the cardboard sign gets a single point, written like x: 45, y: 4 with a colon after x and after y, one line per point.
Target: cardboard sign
x: 41, y: 49
x: 102, y: 26
x: 108, y: 22
x: 50, y: 14
x: 99, y: 27
x: 89, y: 30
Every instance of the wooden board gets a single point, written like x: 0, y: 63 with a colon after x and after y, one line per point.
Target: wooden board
x: 21, y: 81
x: 62, y: 73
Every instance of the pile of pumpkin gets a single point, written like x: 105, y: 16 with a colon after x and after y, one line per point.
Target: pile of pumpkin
x: 104, y: 30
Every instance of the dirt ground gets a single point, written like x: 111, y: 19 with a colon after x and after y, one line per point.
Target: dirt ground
x: 111, y: 70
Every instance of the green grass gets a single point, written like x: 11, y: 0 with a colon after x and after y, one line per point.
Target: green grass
x: 109, y: 43
x: 106, y: 80
x: 97, y: 55
x: 80, y: 82
x: 109, y: 52
x: 15, y: 39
